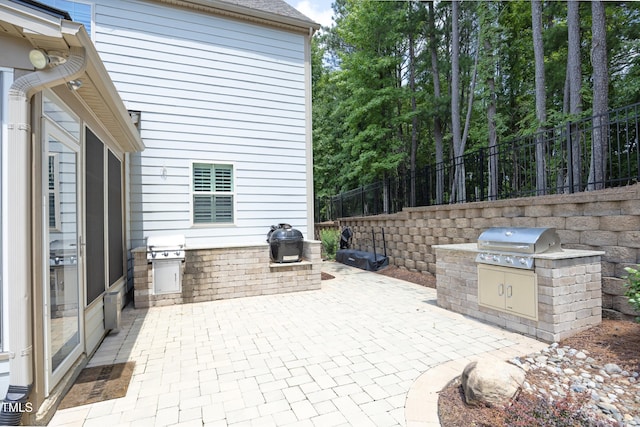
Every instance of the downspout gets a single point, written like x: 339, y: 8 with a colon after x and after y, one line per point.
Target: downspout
x: 19, y: 228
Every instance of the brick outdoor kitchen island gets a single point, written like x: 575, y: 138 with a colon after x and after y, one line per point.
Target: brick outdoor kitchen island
x: 564, y: 290
x: 229, y: 272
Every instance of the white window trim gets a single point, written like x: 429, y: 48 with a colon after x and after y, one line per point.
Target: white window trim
x: 47, y: 93
x: 232, y: 193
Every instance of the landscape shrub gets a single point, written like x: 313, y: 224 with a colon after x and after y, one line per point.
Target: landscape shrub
x: 633, y: 289
x: 536, y: 411
x: 329, y: 238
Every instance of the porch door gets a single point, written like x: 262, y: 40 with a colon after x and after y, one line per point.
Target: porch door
x: 63, y: 256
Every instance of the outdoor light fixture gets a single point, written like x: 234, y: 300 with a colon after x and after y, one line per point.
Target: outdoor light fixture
x: 74, y: 84
x: 41, y: 59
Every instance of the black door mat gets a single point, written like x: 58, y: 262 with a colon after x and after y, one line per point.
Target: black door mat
x: 99, y: 383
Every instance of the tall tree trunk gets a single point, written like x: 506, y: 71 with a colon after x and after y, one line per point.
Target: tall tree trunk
x: 488, y: 22
x: 437, y: 122
x: 472, y: 91
x: 575, y: 84
x: 600, y: 96
x: 414, y: 119
x: 491, y: 123
x: 541, y: 99
x: 562, y: 180
x: 459, y: 180
x: 458, y: 189
x: 565, y: 93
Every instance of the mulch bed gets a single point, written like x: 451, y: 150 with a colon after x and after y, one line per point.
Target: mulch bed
x: 422, y: 279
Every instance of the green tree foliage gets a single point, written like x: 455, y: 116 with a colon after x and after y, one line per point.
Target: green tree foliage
x: 370, y: 76
x: 374, y: 94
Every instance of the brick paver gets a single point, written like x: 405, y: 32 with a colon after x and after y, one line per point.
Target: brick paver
x: 344, y: 355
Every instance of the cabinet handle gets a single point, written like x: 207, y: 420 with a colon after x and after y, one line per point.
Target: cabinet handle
x: 500, y: 289
x: 509, y: 291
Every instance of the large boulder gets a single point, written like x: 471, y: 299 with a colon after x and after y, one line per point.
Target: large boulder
x: 491, y: 382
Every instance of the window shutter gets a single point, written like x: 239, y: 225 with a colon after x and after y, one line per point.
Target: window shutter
x: 202, y: 177
x: 223, y: 209
x: 52, y: 210
x: 52, y: 173
x: 224, y: 179
x: 53, y: 217
x: 202, y: 209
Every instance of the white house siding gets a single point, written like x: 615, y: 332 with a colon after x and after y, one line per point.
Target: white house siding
x: 209, y: 89
x: 94, y: 325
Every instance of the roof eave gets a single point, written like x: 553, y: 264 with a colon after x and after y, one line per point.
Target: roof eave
x: 248, y: 14
x: 45, y: 31
x: 121, y: 127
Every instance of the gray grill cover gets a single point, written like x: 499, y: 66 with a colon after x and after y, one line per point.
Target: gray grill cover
x: 524, y: 240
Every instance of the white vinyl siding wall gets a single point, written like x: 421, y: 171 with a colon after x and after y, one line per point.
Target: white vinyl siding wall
x: 210, y: 90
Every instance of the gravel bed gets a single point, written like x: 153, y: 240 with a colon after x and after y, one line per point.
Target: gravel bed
x: 556, y: 371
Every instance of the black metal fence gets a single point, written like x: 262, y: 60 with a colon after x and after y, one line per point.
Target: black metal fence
x: 555, y: 161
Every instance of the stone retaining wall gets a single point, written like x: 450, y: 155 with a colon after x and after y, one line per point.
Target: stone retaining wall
x: 221, y: 273
x: 606, y: 220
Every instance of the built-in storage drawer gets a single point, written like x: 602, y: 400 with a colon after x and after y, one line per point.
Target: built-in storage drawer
x: 508, y: 289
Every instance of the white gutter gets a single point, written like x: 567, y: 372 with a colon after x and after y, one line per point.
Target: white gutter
x: 19, y: 210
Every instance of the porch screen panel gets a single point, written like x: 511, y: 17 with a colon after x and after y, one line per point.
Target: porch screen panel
x: 114, y: 196
x: 2, y: 117
x: 94, y: 199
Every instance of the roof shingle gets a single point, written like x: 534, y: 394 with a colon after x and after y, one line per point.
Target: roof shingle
x: 276, y: 7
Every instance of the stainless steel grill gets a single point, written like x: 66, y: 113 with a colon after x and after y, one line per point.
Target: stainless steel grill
x: 515, y: 247
x: 165, y: 247
x: 63, y: 252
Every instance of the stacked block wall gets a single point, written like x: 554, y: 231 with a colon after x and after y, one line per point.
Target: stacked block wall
x: 606, y: 220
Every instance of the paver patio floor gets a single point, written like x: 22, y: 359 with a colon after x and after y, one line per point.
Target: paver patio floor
x: 343, y: 355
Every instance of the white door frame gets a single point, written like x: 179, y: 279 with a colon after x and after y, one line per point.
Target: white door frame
x: 6, y: 77
x: 53, y: 377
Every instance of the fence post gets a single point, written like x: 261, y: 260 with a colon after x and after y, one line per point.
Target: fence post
x: 426, y: 201
x: 482, y: 180
x: 569, y: 159
x: 316, y: 210
x: 385, y: 196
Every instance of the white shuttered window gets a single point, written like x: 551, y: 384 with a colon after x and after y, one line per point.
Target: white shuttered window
x: 213, y: 193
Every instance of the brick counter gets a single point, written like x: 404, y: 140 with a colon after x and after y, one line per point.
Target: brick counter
x: 569, y: 293
x: 229, y: 272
